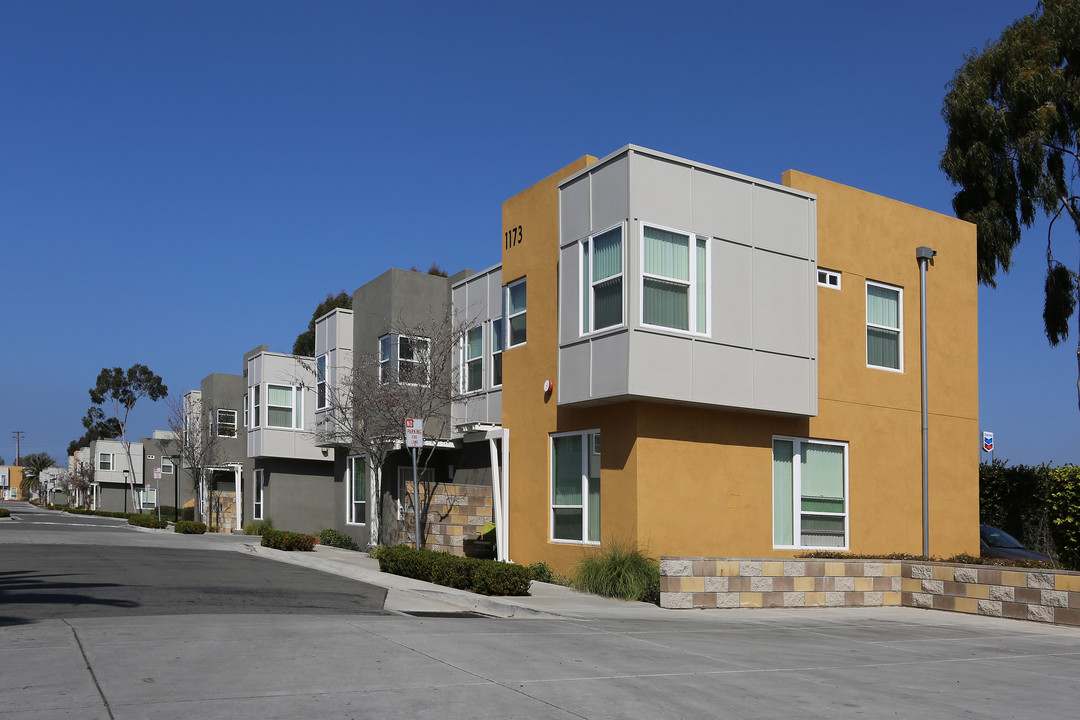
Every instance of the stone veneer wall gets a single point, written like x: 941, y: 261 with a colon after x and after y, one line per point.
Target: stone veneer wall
x: 457, y: 513
x: 1051, y: 596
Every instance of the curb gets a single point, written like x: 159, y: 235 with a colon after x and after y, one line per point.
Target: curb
x: 459, y: 600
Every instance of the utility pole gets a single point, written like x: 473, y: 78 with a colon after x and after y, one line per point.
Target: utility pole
x: 17, y: 435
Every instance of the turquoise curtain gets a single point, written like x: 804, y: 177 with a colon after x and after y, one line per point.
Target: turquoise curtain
x: 607, y: 255
x: 566, y: 489
x: 883, y: 345
x: 475, y: 343
x: 783, y: 477
x: 667, y: 254
x: 586, y: 285
x: 594, y: 487
x: 822, y: 474
x: 665, y: 304
x: 279, y: 401
x: 702, y: 280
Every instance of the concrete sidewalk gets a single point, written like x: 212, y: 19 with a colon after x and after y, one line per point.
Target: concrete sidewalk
x: 406, y: 595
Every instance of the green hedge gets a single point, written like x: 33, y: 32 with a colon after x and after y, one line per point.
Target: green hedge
x: 4, y: 512
x: 190, y: 527
x: 285, y: 540
x: 147, y: 521
x: 487, y: 577
x: 335, y: 538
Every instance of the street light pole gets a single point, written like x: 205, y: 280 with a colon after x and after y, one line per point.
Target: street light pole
x: 924, y: 256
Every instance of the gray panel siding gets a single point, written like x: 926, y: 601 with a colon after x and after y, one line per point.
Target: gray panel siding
x: 660, y: 192
x: 780, y: 223
x: 722, y: 207
x: 762, y: 241
x: 781, y: 323
x: 574, y: 216
x: 610, y: 195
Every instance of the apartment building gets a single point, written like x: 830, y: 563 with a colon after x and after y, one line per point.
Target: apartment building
x: 708, y: 364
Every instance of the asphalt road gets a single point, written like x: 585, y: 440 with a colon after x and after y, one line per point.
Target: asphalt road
x: 86, y: 578
x: 276, y: 659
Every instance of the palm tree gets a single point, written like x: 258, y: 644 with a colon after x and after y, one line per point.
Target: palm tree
x: 33, y: 465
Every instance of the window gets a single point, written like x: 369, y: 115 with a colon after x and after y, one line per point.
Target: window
x: 147, y: 497
x: 809, y: 493
x: 575, y: 487
x: 602, y: 280
x: 384, y: 358
x: 166, y: 465
x: 472, y: 369
x: 284, y: 407
x: 497, y: 344
x: 357, y: 470
x: 404, y: 359
x: 320, y: 382
x: 674, y: 280
x: 105, y: 461
x: 246, y: 412
x: 257, y: 496
x: 828, y: 278
x: 226, y: 423
x: 514, y: 311
x: 884, y: 318
x: 255, y: 406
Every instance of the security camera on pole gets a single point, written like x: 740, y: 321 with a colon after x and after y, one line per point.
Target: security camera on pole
x: 414, y: 439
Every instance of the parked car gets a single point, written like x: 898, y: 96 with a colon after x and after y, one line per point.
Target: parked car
x: 994, y: 543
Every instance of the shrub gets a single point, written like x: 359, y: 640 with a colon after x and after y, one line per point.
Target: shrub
x: 453, y: 571
x: 496, y: 578
x: 258, y: 527
x: 190, y: 527
x: 483, y: 576
x: 187, y: 513
x: 620, y: 571
x: 542, y: 572
x: 335, y: 538
x: 285, y: 540
x: 4, y: 512
x: 147, y: 521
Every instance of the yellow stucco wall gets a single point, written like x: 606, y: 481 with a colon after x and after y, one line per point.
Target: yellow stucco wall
x: 681, y: 480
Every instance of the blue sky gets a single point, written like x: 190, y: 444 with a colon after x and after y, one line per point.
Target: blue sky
x: 183, y: 181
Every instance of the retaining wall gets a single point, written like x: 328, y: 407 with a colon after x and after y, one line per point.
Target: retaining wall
x: 1051, y: 596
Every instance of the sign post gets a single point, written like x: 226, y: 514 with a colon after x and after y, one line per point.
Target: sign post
x: 414, y: 439
x: 157, y: 486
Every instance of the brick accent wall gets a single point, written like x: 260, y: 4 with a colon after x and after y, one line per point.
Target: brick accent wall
x: 456, y: 513
x: 1051, y: 596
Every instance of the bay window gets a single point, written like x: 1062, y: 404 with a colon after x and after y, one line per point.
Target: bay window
x: 674, y: 280
x: 284, y: 406
x: 602, y: 280
x: 473, y: 366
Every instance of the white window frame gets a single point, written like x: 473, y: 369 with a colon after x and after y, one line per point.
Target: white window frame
x: 497, y: 349
x: 587, y: 287
x: 588, y: 448
x: 297, y: 407
x: 796, y: 495
x: 691, y: 284
x: 386, y: 358
x: 101, y: 456
x: 899, y: 330
x: 350, y: 506
x: 256, y: 406
x: 507, y: 317
x: 247, y: 412
x: 258, y: 495
x: 467, y: 361
x: 829, y: 279
x: 171, y: 467
x: 218, y: 423
x: 320, y: 382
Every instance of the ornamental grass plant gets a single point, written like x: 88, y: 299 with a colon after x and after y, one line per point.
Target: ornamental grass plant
x: 620, y: 570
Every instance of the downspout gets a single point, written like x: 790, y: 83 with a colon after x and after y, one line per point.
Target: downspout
x: 924, y: 256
